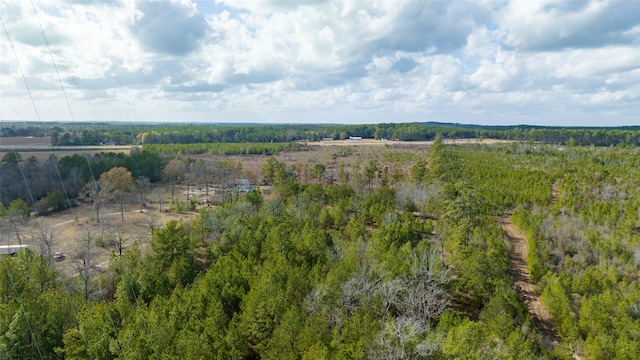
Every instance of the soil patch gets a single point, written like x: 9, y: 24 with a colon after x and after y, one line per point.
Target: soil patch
x: 69, y: 226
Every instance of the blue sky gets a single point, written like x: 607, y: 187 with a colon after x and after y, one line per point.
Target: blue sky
x: 539, y: 62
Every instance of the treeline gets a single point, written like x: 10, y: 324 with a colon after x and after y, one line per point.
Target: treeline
x: 111, y: 135
x: 32, y: 180
x: 96, y: 134
x: 402, y: 132
x: 223, y: 148
x: 24, y: 131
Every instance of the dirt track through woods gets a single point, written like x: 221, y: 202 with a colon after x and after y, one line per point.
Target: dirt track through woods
x: 521, y: 281
x: 522, y: 284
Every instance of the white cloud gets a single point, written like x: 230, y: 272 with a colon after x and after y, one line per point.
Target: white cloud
x: 170, y: 27
x: 556, y: 24
x: 349, y: 61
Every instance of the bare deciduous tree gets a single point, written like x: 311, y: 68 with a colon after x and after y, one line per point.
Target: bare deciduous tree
x: 173, y: 173
x: 427, y: 296
x: 46, y: 239
x: 411, y: 194
x: 361, y: 286
x: 213, y: 221
x: 141, y: 184
x: 98, y: 191
x: 84, y: 254
x: 121, y: 184
x: 149, y: 222
x: 403, y: 338
x: 121, y: 238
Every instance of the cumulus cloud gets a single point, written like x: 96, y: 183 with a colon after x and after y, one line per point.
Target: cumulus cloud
x: 327, y: 60
x: 555, y: 24
x: 172, y: 27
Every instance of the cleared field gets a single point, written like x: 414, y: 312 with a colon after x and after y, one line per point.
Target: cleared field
x: 70, y: 226
x: 25, y: 141
x: 41, y: 148
x: 374, y: 142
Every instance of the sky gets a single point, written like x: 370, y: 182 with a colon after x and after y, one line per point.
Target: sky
x: 536, y: 62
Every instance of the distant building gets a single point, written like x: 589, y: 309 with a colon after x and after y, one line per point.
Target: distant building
x: 11, y: 249
x: 327, y: 139
x: 355, y: 137
x: 243, y: 185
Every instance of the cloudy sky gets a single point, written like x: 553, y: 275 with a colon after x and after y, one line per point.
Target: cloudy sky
x: 570, y: 63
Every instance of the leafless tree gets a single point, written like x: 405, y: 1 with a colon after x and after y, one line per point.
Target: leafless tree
x: 225, y: 171
x: 159, y: 194
x: 98, y: 192
x: 84, y: 254
x: 173, y: 173
x: 411, y: 192
x: 13, y: 223
x: 201, y: 174
x: 440, y: 236
x: 397, y: 339
x: 426, y: 294
x: 149, y: 222
x: 404, y: 338
x: 120, y: 197
x: 141, y: 184
x: 189, y: 180
x: 213, y: 221
x: 46, y: 239
x: 390, y: 293
x: 121, y: 238
x: 361, y: 286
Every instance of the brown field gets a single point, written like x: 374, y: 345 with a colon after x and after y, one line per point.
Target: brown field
x: 25, y: 141
x: 41, y: 148
x: 374, y: 142
x: 351, y: 153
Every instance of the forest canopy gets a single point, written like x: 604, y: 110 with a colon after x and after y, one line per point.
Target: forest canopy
x: 392, y: 253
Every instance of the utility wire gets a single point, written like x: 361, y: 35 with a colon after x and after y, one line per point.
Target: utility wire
x: 98, y: 192
x: 26, y: 84
x: 57, y: 171
x: 35, y: 12
x: 29, y: 188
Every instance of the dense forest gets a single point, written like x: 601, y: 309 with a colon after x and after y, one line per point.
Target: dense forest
x: 399, y: 256
x: 122, y: 134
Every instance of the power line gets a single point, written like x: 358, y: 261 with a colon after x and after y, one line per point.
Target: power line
x: 98, y: 192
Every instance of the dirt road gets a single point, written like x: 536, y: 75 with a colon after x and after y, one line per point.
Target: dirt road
x: 522, y: 284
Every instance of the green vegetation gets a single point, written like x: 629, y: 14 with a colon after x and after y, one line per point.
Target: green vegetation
x: 125, y: 134
x: 223, y: 148
x: 393, y: 257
